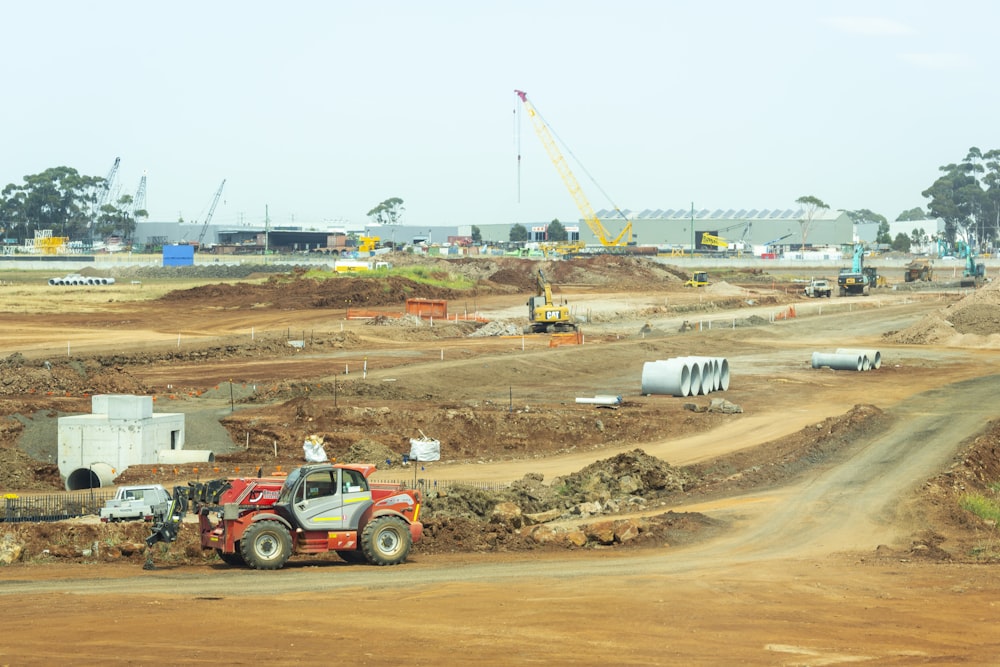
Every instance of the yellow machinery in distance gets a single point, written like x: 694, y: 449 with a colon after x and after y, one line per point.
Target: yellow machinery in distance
x: 717, y: 241
x: 699, y: 279
x: 624, y: 237
x: 544, y: 316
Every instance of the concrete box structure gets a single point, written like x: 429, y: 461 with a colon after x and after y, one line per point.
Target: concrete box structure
x: 121, y: 431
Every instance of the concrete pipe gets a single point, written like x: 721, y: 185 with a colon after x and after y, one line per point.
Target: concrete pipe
x: 107, y: 281
x: 838, y: 362
x: 600, y: 399
x: 874, y: 356
x: 171, y: 456
x: 723, y: 374
x: 94, y: 476
x: 706, y: 375
x: 53, y: 281
x: 672, y: 377
x: 696, y: 378
x: 711, y: 372
x: 716, y: 373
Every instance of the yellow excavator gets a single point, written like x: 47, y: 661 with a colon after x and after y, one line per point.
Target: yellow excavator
x: 544, y: 316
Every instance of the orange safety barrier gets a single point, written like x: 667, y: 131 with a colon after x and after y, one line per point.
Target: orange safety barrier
x: 574, y: 338
x: 786, y: 314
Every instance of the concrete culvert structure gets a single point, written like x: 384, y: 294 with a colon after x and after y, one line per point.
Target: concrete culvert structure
x: 874, y: 356
x: 94, y: 476
x: 838, y: 362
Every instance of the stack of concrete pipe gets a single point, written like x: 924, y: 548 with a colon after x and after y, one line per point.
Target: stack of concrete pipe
x: 685, y: 376
x: 77, y: 279
x: 848, y: 360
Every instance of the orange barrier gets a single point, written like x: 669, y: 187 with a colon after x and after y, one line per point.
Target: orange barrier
x: 574, y: 338
x: 786, y: 314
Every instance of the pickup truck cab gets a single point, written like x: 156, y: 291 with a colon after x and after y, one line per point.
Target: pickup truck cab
x: 132, y: 503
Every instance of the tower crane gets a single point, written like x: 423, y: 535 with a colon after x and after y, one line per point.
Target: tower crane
x: 211, y: 210
x: 624, y: 237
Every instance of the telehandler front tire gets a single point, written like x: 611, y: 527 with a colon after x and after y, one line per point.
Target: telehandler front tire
x: 386, y: 540
x: 266, y: 545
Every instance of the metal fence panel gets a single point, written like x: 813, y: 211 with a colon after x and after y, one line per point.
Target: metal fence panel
x: 52, y: 507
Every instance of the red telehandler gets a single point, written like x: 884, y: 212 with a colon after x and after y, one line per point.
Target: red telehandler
x: 260, y: 522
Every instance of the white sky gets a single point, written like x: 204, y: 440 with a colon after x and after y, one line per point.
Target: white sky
x: 321, y: 110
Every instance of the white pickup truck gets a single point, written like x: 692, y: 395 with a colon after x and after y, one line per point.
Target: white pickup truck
x: 134, y: 502
x: 817, y: 288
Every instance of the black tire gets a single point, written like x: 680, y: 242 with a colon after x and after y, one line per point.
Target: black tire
x: 386, y: 541
x: 355, y: 557
x: 234, y: 559
x: 266, y: 545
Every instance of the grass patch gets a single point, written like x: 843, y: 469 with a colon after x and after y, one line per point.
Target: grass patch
x: 983, y: 507
x: 422, y: 275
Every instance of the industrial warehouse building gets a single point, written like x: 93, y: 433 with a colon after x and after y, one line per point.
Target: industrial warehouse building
x: 781, y: 229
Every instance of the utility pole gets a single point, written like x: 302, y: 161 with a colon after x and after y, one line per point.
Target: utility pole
x: 267, y: 227
x: 692, y: 230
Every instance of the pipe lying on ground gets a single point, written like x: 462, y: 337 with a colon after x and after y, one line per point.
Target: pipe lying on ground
x: 874, y: 356
x: 167, y: 456
x: 671, y: 376
x: 77, y: 279
x: 838, y: 362
x: 704, y: 375
x: 600, y: 400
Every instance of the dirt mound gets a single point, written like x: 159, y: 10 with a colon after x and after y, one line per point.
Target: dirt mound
x: 777, y: 461
x: 963, y: 534
x: 578, y: 510
x: 722, y: 288
x: 973, y: 321
x: 296, y: 292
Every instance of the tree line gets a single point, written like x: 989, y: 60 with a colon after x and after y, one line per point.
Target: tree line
x: 67, y: 203
x: 966, y: 195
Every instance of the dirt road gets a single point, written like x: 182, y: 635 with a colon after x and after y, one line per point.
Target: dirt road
x: 777, y: 589
x: 816, y: 571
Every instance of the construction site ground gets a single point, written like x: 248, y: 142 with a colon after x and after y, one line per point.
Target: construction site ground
x: 819, y: 525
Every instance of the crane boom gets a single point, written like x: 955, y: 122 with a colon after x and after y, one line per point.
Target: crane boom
x: 139, y: 201
x: 586, y: 210
x: 211, y: 211
x: 105, y: 190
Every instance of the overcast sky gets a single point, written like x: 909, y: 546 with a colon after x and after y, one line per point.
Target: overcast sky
x: 318, y: 111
